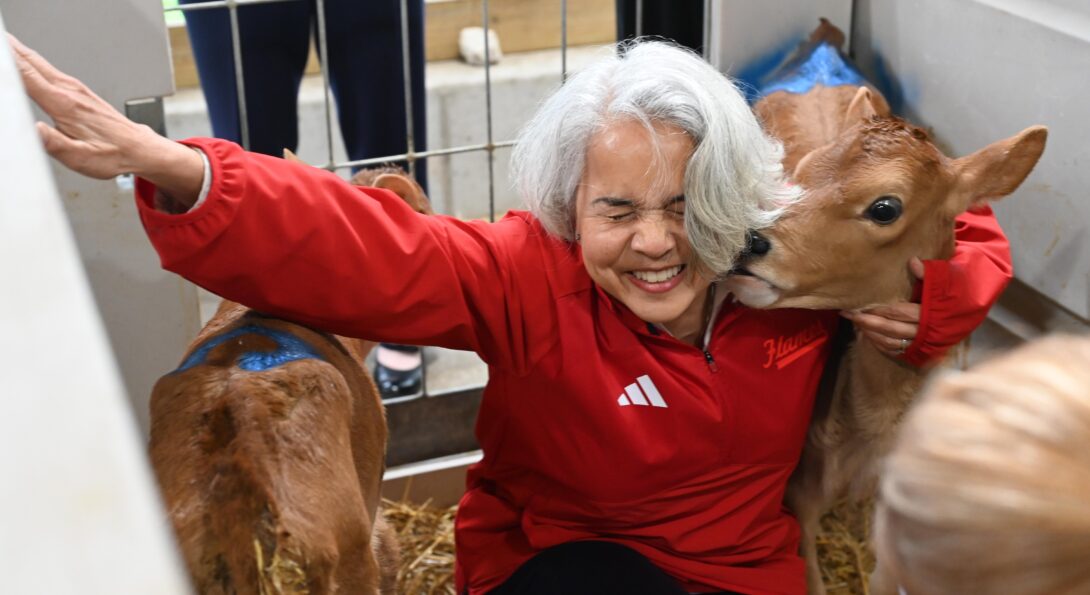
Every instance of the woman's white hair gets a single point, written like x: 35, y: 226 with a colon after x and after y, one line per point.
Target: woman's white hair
x: 733, y: 182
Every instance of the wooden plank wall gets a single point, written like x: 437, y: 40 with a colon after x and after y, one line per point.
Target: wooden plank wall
x: 522, y: 25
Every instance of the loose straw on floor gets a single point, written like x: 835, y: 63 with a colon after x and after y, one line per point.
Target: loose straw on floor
x: 426, y: 536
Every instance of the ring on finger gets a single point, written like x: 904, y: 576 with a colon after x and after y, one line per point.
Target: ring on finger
x: 904, y: 346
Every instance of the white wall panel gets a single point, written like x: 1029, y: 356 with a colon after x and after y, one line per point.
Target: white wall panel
x: 980, y: 70
x: 119, y: 48
x: 745, y: 34
x: 78, y: 510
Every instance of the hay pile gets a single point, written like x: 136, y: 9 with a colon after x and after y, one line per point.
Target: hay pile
x: 426, y: 534
x: 846, y: 559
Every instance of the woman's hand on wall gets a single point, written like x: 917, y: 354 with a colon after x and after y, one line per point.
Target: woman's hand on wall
x: 90, y: 137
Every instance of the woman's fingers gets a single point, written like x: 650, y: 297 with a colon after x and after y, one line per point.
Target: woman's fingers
x: 888, y: 327
x: 903, y: 312
x: 886, y: 345
x: 55, y: 142
x: 88, y: 135
x: 91, y: 137
x: 34, y: 60
x: 891, y: 329
x: 40, y: 89
x: 51, y: 89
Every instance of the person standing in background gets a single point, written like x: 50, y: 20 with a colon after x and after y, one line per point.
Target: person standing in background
x: 681, y: 22
x: 367, y: 79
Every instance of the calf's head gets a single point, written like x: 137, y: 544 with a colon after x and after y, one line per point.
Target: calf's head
x: 877, y: 195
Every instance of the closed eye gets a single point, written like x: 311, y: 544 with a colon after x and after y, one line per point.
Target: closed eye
x: 614, y: 209
x: 675, y: 206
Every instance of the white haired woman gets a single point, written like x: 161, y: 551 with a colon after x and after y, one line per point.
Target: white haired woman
x: 635, y: 438
x: 987, y: 489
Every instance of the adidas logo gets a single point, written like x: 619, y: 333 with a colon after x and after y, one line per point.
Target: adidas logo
x: 649, y: 395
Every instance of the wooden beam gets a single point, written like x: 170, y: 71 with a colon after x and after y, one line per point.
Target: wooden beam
x: 521, y: 25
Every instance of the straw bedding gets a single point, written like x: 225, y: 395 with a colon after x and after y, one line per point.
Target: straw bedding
x: 426, y: 534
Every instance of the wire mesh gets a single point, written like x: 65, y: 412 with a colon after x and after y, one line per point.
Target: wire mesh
x: 411, y: 155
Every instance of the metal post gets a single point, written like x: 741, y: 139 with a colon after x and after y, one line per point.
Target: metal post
x: 563, y: 41
x: 323, y: 59
x: 639, y: 18
x: 488, y: 110
x: 406, y: 74
x: 240, y: 84
x: 706, y: 45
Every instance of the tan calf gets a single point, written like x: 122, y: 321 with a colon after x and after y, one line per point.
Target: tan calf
x: 878, y: 193
x: 269, y: 444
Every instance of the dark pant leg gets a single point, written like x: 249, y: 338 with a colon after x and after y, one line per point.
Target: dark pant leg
x: 367, y: 76
x: 589, y: 568
x: 274, y: 41
x: 680, y: 21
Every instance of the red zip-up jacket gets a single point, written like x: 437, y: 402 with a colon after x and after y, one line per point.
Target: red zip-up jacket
x: 594, y: 425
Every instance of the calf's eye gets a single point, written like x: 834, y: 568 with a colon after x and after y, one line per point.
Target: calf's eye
x: 885, y: 210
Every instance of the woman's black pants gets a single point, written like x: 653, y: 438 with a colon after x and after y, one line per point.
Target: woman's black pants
x: 590, y: 568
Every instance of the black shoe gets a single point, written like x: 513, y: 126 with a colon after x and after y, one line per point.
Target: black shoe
x: 394, y: 384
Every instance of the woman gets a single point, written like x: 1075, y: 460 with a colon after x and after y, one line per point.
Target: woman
x: 634, y: 440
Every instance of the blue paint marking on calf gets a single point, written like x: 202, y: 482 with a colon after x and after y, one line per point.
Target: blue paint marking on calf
x: 289, y: 348
x: 819, y: 64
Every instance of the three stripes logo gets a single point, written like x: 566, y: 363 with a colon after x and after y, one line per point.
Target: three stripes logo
x: 641, y: 393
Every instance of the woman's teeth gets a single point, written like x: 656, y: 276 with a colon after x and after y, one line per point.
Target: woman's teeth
x: 657, y: 276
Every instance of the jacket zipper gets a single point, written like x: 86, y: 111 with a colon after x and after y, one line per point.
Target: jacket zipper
x: 711, y: 361
x: 709, y: 322
x: 713, y: 312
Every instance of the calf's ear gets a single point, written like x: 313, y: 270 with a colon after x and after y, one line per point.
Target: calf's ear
x: 861, y: 108
x: 408, y: 190
x: 998, y: 169
x: 288, y: 155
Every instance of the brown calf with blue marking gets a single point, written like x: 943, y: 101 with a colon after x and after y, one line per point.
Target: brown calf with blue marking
x: 269, y: 446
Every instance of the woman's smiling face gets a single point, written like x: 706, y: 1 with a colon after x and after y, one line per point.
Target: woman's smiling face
x: 630, y: 215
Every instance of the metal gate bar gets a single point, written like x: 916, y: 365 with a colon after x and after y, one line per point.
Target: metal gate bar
x: 323, y: 60
x: 411, y: 155
x: 489, y: 147
x: 406, y: 78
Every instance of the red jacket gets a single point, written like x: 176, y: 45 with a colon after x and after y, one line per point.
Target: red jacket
x: 593, y: 424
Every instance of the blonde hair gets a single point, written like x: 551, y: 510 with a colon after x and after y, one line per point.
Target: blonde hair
x: 734, y: 181
x: 988, y: 487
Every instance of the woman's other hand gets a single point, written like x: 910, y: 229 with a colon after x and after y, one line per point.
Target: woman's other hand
x: 890, y: 328
x: 90, y: 137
